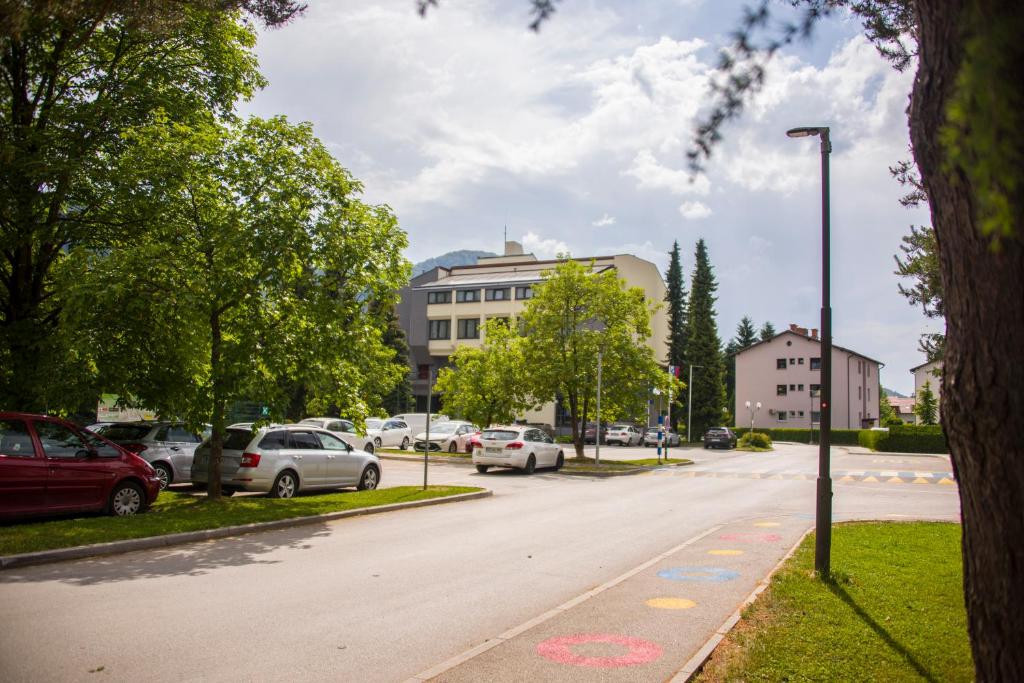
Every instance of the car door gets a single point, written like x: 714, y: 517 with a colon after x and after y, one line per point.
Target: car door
x: 343, y: 466
x: 79, y: 473
x: 552, y: 448
x: 310, y: 457
x: 180, y: 445
x: 23, y: 470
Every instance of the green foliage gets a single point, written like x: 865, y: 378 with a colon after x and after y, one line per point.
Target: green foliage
x: 574, y: 314
x: 837, y: 437
x: 487, y: 385
x: 927, y: 406
x: 906, y: 439
x: 677, y: 321
x: 755, y: 440
x: 746, y: 336
x: 767, y: 331
x: 703, y: 346
x: 563, y: 438
x: 399, y: 398
x: 886, y: 413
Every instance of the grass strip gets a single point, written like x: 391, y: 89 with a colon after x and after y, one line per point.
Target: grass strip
x: 591, y: 463
x: 893, y: 611
x: 176, y: 512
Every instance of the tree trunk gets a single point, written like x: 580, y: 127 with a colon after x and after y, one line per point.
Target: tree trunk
x: 983, y: 379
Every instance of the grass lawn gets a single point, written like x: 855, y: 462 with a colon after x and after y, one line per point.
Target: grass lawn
x: 175, y: 512
x: 574, y: 463
x: 893, y: 612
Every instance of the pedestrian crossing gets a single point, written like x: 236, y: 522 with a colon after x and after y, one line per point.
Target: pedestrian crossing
x: 842, y: 477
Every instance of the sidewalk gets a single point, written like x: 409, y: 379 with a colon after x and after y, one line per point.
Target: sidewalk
x: 647, y: 624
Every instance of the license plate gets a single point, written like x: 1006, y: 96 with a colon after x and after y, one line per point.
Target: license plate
x: 492, y: 450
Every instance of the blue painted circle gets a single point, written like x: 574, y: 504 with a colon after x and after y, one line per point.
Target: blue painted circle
x: 712, y: 574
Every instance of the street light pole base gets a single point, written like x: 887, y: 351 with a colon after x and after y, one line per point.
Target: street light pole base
x: 823, y: 528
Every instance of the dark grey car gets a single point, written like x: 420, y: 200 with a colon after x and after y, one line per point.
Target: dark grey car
x: 167, y: 446
x: 717, y: 437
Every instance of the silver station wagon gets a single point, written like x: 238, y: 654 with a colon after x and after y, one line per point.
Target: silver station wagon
x: 282, y: 460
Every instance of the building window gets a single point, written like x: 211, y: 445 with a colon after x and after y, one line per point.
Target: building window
x: 792, y: 387
x: 423, y: 372
x: 869, y: 371
x: 858, y: 393
x: 815, y: 417
x: 464, y: 296
x: 799, y: 387
x: 469, y: 328
x: 815, y: 364
x: 799, y: 361
x: 792, y: 361
x: 439, y: 297
x: 439, y: 329
x: 780, y: 389
x: 869, y: 393
x: 801, y: 413
x: 502, y: 294
x: 524, y: 292
x: 815, y: 390
x: 792, y: 413
x: 502, y: 319
x: 859, y: 363
x: 782, y: 415
x: 780, y: 363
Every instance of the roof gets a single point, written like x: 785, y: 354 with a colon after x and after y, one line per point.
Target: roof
x: 813, y: 339
x: 902, y: 405
x: 924, y: 365
x: 504, y: 277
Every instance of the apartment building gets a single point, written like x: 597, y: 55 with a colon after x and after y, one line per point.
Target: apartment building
x: 445, y: 308
x: 930, y: 372
x: 784, y: 375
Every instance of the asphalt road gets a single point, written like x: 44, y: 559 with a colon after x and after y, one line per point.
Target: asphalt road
x: 386, y: 597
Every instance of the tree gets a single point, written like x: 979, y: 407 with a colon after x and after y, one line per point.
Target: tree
x: 253, y: 264
x: 486, y: 385
x: 927, y: 406
x: 767, y: 331
x: 746, y: 336
x: 574, y: 314
x: 886, y: 414
x: 400, y: 397
x: 676, y: 299
x: 703, y: 347
x: 75, y: 77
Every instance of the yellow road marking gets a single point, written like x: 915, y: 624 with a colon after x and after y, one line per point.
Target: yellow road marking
x: 895, y: 480
x: 767, y: 524
x: 946, y: 480
x: 725, y: 552
x: 922, y: 480
x: 670, y: 603
x: 870, y: 479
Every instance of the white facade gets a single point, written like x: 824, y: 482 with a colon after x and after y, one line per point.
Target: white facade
x: 784, y: 375
x: 929, y: 372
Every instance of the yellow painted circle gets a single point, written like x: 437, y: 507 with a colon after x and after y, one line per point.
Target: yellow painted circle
x: 671, y: 603
x: 725, y: 552
x: 767, y: 524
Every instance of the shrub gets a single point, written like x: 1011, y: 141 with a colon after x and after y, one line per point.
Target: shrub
x: 755, y: 439
x: 838, y: 437
x: 563, y: 438
x: 906, y: 439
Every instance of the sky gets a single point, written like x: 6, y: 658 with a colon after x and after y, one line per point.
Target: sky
x: 465, y: 122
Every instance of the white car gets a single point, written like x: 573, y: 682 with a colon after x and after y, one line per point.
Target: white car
x: 454, y: 436
x: 522, y: 447
x: 344, y: 430
x: 625, y: 435
x: 389, y: 433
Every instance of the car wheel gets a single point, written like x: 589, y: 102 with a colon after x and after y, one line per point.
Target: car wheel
x: 285, y: 486
x: 163, y: 473
x: 376, y: 442
x: 405, y: 442
x: 453, y: 447
x: 127, y: 499
x: 531, y: 464
x: 370, y: 479
x: 227, y: 493
x: 482, y: 469
x: 369, y: 448
x: 560, y: 461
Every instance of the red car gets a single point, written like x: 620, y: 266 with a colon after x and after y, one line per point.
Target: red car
x: 50, y: 466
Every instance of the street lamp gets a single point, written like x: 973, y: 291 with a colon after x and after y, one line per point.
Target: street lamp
x: 823, y: 516
x: 753, y: 411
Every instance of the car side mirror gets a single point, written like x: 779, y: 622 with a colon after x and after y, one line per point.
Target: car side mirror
x: 348, y: 447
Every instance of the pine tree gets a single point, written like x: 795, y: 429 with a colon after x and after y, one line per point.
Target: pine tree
x: 767, y: 331
x: 703, y: 347
x: 676, y: 299
x: 399, y: 399
x: 927, y: 406
x: 746, y: 335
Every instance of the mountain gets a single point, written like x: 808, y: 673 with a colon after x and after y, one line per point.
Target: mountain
x: 892, y: 392
x: 462, y: 257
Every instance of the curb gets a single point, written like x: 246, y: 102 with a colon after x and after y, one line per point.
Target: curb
x: 620, y: 473
x: 128, y: 545
x: 860, y: 450
x: 697, y: 662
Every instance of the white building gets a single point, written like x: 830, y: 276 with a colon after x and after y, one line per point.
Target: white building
x: 929, y: 372
x: 784, y: 375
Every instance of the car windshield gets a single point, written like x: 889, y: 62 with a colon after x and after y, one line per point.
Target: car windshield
x: 374, y: 424
x: 444, y: 428
x: 124, y: 432
x: 500, y: 434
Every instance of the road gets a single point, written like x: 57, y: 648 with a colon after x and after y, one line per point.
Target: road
x: 385, y: 597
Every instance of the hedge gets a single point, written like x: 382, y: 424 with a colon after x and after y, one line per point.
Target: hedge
x: 839, y: 437
x: 906, y: 439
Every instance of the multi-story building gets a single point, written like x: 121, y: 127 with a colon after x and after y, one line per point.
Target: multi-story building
x: 930, y: 372
x: 446, y: 307
x: 783, y: 374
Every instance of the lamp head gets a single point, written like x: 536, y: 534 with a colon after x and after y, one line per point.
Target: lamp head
x: 748, y: 405
x: 803, y: 132
x: 759, y: 405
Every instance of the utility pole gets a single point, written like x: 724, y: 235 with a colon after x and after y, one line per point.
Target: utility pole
x: 597, y: 428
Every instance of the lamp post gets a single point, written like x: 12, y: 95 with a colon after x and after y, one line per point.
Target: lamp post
x: 753, y: 411
x: 597, y: 428
x: 823, y: 516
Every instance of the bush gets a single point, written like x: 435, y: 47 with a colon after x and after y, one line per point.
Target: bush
x: 906, y: 439
x: 563, y: 438
x: 839, y: 437
x: 755, y: 439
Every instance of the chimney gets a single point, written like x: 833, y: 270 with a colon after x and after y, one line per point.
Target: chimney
x: 802, y: 331
x: 513, y: 248
x: 814, y: 333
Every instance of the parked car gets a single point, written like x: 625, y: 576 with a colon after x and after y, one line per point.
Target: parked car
x: 417, y: 422
x: 624, y: 435
x: 519, y: 446
x: 282, y: 460
x: 719, y: 436
x: 389, y: 433
x: 50, y: 466
x: 671, y: 438
x: 591, y: 430
x: 453, y: 436
x: 343, y: 429
x: 167, y: 446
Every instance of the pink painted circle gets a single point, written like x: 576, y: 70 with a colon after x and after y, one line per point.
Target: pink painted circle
x: 560, y: 650
x: 751, y: 538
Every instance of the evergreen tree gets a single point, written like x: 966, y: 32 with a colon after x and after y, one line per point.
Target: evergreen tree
x: 746, y: 335
x: 400, y: 398
x: 676, y: 299
x: 886, y: 413
x: 703, y: 347
x: 927, y: 406
x: 767, y: 331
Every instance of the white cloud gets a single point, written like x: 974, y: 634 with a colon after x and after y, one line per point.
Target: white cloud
x: 604, y: 220
x: 692, y: 211
x: 543, y: 248
x: 652, y: 175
